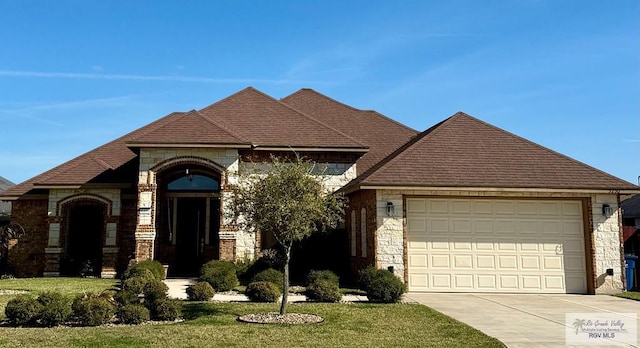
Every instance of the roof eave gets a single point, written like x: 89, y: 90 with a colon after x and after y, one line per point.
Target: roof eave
x: 311, y: 149
x: 494, y: 189
x: 184, y: 145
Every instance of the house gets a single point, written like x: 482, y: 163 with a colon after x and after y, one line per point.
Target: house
x: 631, y: 224
x: 462, y: 206
x: 5, y: 207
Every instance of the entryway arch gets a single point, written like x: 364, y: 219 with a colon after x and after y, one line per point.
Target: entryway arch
x: 188, y: 214
x: 82, y: 235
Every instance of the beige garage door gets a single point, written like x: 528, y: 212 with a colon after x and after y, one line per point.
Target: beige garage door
x: 494, y: 245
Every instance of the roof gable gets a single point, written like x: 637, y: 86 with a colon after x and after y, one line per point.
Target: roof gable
x: 381, y: 134
x: 187, y: 128
x: 463, y: 151
x: 267, y: 122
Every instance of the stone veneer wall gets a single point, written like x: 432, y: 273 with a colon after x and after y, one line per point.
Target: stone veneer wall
x: 606, y: 237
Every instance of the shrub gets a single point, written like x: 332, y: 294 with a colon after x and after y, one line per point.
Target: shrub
x: 366, y: 275
x: 324, y: 290
x: 154, y: 291
x: 243, y: 267
x: 269, y: 275
x: 200, y: 291
x: 136, y: 284
x: 385, y: 287
x: 166, y: 309
x: 93, y: 309
x: 124, y: 297
x: 221, y: 275
x: 56, y: 308
x: 22, y: 310
x: 133, y: 314
x: 263, y: 292
x: 322, y: 275
x: 155, y: 267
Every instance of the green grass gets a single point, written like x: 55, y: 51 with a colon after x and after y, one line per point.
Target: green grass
x: 633, y: 295
x: 215, y: 324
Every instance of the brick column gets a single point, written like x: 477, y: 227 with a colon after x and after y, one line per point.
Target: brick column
x: 227, y: 246
x: 53, y: 252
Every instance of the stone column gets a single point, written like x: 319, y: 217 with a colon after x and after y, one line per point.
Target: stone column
x: 145, y: 228
x: 227, y: 246
x: 53, y: 252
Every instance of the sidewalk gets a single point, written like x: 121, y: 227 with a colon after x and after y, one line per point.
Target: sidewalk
x: 177, y: 289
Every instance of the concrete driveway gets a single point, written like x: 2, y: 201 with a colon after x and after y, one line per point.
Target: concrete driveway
x: 522, y: 320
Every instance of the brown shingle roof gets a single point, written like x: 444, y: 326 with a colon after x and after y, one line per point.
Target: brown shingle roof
x: 381, y: 134
x: 265, y: 121
x: 465, y: 152
x: 188, y: 128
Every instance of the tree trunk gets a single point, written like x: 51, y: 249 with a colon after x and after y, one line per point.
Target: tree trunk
x: 285, y: 280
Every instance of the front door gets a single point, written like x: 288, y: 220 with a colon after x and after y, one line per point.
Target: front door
x: 190, y: 234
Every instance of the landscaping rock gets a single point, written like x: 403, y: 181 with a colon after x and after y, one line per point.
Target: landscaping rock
x: 276, y: 318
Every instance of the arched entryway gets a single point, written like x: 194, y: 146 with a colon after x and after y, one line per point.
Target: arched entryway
x: 84, y: 238
x: 188, y: 220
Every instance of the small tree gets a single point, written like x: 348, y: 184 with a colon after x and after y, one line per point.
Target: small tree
x: 7, y: 233
x: 289, y: 202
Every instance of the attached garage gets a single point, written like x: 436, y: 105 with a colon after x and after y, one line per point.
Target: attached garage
x: 468, y: 207
x: 496, y: 245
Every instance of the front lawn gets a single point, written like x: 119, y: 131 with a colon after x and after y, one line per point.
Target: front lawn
x: 214, y: 324
x: 633, y: 295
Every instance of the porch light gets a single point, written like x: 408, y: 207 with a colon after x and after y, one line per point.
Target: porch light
x: 390, y: 209
x: 606, y: 210
x: 189, y: 175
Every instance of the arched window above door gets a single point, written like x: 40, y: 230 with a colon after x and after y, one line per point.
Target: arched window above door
x: 194, y: 182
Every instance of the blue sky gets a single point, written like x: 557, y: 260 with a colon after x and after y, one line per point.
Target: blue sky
x: 564, y: 74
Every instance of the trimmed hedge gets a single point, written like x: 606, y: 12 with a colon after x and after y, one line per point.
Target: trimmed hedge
x: 263, y: 292
x: 133, y: 314
x: 22, y: 310
x: 269, y: 275
x: 168, y: 309
x: 155, y: 267
x: 221, y: 275
x: 136, y: 284
x: 200, y: 291
x: 56, y: 308
x: 365, y: 276
x: 383, y: 286
x: 93, y: 309
x: 323, y: 290
x: 154, y: 291
x: 327, y: 275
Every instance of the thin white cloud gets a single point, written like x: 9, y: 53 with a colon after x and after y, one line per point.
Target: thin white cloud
x: 94, y: 76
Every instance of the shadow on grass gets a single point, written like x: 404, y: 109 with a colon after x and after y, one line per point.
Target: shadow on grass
x: 195, y: 310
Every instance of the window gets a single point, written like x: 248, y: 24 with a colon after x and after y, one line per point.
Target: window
x: 353, y: 233
x: 363, y: 232
x: 194, y: 183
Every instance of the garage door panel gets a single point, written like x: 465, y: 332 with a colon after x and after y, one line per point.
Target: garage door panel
x: 531, y: 283
x: 486, y: 282
x: 441, y: 281
x: 464, y: 281
x: 418, y: 261
x: 530, y: 262
x: 462, y: 261
x: 508, y: 282
x: 487, y: 262
x: 440, y: 261
x: 493, y: 245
